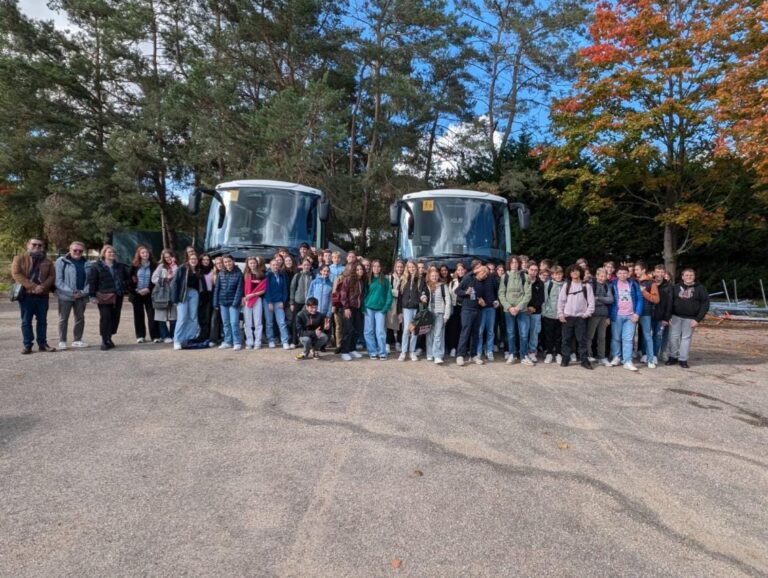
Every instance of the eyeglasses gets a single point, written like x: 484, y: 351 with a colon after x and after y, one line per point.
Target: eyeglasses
x: 36, y: 244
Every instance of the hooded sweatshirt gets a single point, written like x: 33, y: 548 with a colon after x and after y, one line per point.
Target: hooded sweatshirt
x: 576, y: 300
x: 551, y: 294
x: 690, y: 301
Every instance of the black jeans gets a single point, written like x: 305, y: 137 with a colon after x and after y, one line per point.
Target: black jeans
x: 453, y: 329
x: 292, y: 328
x: 351, y: 329
x: 204, y: 314
x: 470, y: 325
x: 109, y: 319
x: 575, y: 327
x: 142, y: 305
x: 551, y: 333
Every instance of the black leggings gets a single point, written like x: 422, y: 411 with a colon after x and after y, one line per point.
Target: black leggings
x: 109, y: 319
x: 351, y: 329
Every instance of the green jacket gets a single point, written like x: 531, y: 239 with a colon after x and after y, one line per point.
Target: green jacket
x: 514, y: 291
x: 379, y: 295
x: 551, y: 293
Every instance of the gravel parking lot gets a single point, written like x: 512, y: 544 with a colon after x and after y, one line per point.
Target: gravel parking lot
x: 145, y: 461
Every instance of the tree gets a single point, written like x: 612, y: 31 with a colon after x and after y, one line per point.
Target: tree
x: 642, y: 117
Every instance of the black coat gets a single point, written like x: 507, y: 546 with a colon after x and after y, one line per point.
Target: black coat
x: 100, y: 279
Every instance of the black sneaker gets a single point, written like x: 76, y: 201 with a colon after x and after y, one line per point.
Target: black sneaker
x: 46, y: 347
x: 105, y: 346
x: 565, y: 362
x: 684, y: 364
x: 26, y: 351
x: 316, y: 355
x: 671, y: 361
x: 586, y: 364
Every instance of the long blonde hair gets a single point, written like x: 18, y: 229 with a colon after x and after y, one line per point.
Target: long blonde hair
x: 407, y: 278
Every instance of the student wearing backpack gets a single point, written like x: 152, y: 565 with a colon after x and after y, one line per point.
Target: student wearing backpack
x: 440, y: 306
x: 514, y: 295
x: 227, y: 298
x: 575, y: 305
x: 534, y: 309
x: 321, y: 289
x: 254, y: 287
x: 650, y: 292
x: 413, y: 293
x: 551, y: 328
x: 297, y: 294
x: 690, y: 303
x: 376, y: 304
x: 625, y: 313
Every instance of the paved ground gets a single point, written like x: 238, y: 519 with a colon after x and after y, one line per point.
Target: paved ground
x: 146, y: 461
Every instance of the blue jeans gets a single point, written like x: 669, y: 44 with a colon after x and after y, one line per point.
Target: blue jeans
x: 436, y: 338
x: 163, y: 326
x: 534, y: 328
x: 521, y: 321
x: 660, y: 335
x: 376, y: 332
x: 408, y: 341
x: 34, y: 306
x: 230, y: 320
x: 487, y: 317
x: 187, y: 326
x: 279, y: 314
x: 645, y: 327
x: 622, y: 337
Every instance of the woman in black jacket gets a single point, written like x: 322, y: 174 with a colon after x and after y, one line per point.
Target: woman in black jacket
x: 108, y: 282
x: 413, y: 292
x: 142, y: 267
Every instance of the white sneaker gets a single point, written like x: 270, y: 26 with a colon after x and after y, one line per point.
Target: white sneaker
x: 140, y: 340
x: 528, y: 362
x: 533, y: 358
x: 496, y: 348
x: 615, y: 361
x: 292, y: 346
x: 398, y: 347
x: 453, y: 352
x: 573, y: 358
x: 387, y: 349
x: 177, y: 346
x: 490, y: 356
x: 167, y: 340
x: 430, y: 358
x: 237, y: 348
x: 257, y: 346
x: 271, y: 344
x: 438, y: 361
x: 651, y: 365
x: 414, y: 356
x: 155, y: 340
x: 592, y: 359
x: 63, y: 345
x: 356, y: 354
x: 644, y: 359
x: 548, y: 358
x: 510, y: 359
x: 418, y: 351
x: 506, y: 355
x: 630, y: 366
x: 286, y: 346
x: 346, y: 357
x: 248, y: 347
x: 460, y: 361
x: 79, y: 344
x: 559, y: 359
x: 225, y: 346
x: 606, y: 362
x: 479, y: 360
x: 402, y: 357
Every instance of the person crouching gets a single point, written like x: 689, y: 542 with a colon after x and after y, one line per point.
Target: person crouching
x: 311, y: 326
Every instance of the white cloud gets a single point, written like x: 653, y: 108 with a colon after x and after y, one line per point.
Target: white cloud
x: 38, y: 9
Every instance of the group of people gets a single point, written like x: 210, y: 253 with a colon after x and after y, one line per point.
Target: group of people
x: 527, y: 309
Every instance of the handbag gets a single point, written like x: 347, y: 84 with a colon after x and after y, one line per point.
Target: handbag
x: 422, y: 322
x: 105, y: 298
x: 161, y: 295
x: 17, y: 292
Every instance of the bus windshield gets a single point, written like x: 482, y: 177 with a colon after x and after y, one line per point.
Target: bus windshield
x: 264, y: 216
x: 448, y: 226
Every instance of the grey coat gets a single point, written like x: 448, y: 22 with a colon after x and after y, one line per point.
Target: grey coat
x: 66, y: 279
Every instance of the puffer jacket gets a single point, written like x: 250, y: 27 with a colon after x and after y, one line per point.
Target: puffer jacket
x: 228, y: 291
x: 410, y: 294
x: 603, y: 299
x: 101, y: 279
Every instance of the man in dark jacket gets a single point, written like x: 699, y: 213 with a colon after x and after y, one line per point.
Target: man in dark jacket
x: 690, y: 303
x: 662, y: 312
x: 36, y: 274
x: 311, y: 327
x: 534, y: 310
x: 478, y: 293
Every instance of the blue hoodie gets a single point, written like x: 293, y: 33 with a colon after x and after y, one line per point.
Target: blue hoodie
x: 635, y: 293
x: 277, y: 288
x: 321, y: 290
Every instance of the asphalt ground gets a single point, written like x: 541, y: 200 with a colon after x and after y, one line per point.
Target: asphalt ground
x: 143, y: 461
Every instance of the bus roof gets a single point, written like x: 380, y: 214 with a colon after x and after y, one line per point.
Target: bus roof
x: 454, y: 193
x: 268, y: 185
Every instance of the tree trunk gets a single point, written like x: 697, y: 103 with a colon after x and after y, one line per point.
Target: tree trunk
x: 430, y: 149
x: 670, y: 249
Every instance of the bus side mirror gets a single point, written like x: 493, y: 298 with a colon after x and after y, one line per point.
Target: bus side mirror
x: 523, y: 215
x: 222, y: 214
x: 394, y: 214
x: 324, y: 210
x: 194, y: 202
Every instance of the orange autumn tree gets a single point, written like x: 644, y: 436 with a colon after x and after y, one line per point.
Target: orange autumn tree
x: 743, y: 94
x: 641, y: 118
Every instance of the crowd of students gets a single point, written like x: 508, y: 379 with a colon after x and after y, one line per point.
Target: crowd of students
x: 526, y: 309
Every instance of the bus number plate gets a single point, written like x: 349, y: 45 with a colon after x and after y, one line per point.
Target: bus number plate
x: 428, y: 205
